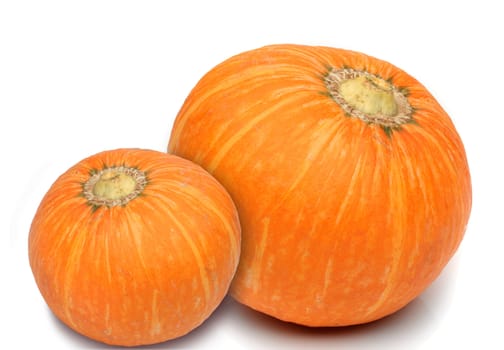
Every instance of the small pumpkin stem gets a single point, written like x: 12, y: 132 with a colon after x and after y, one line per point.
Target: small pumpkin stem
x: 369, y: 98
x: 114, y: 186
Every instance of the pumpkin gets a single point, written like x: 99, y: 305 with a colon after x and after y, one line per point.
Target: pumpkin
x: 351, y: 181
x: 132, y: 247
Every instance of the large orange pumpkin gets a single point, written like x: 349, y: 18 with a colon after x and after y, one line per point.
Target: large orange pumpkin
x: 134, y: 247
x: 351, y: 182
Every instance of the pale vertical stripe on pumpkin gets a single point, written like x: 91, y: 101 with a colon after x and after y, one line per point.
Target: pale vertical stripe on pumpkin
x: 106, y: 252
x: 348, y: 196
x: 328, y: 274
x: 108, y: 328
x: 416, y: 176
x: 197, y: 256
x: 409, y: 179
x: 434, y: 166
x: 130, y: 220
x: 155, y: 323
x: 256, y: 270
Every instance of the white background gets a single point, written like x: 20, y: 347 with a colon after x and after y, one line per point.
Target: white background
x: 79, y: 77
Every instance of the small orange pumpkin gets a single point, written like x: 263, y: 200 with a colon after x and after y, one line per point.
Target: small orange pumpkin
x: 132, y: 247
x: 351, y: 181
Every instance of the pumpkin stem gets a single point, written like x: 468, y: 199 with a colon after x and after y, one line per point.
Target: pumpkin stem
x: 114, y: 186
x: 370, y: 98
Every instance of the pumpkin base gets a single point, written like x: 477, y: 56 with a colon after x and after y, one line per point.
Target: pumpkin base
x: 114, y: 186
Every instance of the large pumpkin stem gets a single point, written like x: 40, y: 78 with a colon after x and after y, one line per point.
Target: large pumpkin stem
x: 369, y: 98
x: 114, y: 186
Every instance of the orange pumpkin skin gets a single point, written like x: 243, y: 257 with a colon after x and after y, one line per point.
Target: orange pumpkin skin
x: 344, y: 220
x: 143, y: 272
